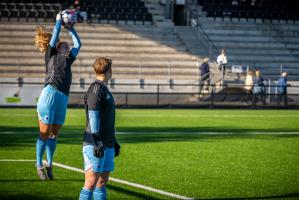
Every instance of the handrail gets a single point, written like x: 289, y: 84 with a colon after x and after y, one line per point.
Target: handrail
x: 196, y: 26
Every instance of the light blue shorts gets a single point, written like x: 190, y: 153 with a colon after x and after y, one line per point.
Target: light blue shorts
x: 104, y: 164
x: 52, y: 105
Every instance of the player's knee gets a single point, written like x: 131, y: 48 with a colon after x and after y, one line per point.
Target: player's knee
x: 44, y: 134
x: 90, y: 184
x: 101, y: 184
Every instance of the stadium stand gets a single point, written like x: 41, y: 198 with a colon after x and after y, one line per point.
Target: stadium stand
x: 138, y: 52
x: 146, y: 47
x: 100, y: 11
x: 267, y: 40
x: 249, y: 9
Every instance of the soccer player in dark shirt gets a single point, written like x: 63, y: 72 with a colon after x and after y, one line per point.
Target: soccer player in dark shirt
x: 52, y: 103
x: 99, y: 143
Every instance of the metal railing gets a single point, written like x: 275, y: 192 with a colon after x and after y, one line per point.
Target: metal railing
x: 188, y: 95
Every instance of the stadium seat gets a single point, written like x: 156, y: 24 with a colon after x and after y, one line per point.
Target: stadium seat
x: 32, y: 15
x: 148, y: 19
x: 130, y: 19
x: 11, y: 6
x: 29, y: 6
x: 23, y: 15
x: 103, y: 18
x: 5, y: 15
x: 13, y: 15
x: 113, y: 18
x: 139, y: 19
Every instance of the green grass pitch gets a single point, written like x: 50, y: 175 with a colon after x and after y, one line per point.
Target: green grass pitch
x: 203, y: 154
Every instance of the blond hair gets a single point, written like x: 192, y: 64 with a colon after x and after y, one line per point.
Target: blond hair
x: 102, y: 65
x: 42, y: 38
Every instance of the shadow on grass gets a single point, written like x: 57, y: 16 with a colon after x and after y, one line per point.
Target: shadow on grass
x: 284, y: 196
x: 20, y: 137
x: 130, y: 192
x: 37, y: 180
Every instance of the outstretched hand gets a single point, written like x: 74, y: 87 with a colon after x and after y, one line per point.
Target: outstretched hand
x: 58, y: 16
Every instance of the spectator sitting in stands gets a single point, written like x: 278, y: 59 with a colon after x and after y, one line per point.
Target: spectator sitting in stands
x: 80, y: 15
x: 205, y: 74
x: 222, y: 62
x: 258, y: 88
x: 248, y: 86
x: 282, y: 89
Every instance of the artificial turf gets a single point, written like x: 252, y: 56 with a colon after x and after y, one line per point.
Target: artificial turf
x: 204, y: 154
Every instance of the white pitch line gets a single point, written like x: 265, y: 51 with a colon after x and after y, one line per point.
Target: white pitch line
x: 136, y: 185
x: 176, y: 115
x: 171, y: 133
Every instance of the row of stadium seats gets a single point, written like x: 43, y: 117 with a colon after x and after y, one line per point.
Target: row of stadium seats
x: 117, y: 10
x: 133, y: 10
x: 109, y: 3
x: 32, y: 1
x: 273, y: 10
x: 25, y: 15
x: 145, y: 19
x: 29, y: 6
x: 261, y: 3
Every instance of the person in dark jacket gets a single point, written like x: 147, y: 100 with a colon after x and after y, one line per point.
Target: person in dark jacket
x: 204, y: 74
x: 282, y: 89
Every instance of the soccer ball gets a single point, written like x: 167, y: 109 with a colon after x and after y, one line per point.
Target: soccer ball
x: 68, y: 17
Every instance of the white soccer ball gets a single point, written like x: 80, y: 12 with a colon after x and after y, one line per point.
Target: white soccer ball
x: 68, y: 17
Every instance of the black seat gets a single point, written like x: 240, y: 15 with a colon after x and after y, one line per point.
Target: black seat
x: 148, y: 17
x: 23, y: 14
x: 11, y: 6
x: 14, y: 14
x: 29, y: 6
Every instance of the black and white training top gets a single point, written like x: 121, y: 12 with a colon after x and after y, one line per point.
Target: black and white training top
x: 100, y: 114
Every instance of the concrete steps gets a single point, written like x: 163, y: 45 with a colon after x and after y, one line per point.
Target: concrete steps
x: 137, y: 52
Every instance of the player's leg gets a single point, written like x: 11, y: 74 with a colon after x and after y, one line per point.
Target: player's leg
x: 45, y: 114
x: 45, y: 130
x: 59, y: 117
x: 100, y: 192
x: 51, y: 147
x: 92, y: 167
x: 91, y: 179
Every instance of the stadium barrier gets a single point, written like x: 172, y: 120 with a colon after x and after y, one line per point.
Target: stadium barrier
x: 19, y: 94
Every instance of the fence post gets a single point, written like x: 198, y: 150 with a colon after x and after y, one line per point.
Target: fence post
x: 158, y: 94
x: 18, y: 64
x: 212, y: 97
x: 169, y: 70
x: 126, y: 99
x: 139, y: 71
x: 269, y: 90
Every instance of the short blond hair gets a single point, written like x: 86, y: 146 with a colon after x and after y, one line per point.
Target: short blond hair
x: 42, y: 38
x: 102, y: 65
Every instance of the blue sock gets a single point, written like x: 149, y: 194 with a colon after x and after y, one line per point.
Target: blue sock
x: 51, y: 147
x: 40, y: 149
x: 100, y: 193
x: 85, y: 194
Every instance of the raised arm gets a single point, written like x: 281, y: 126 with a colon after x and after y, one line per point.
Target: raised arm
x: 56, y: 31
x: 76, y: 40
